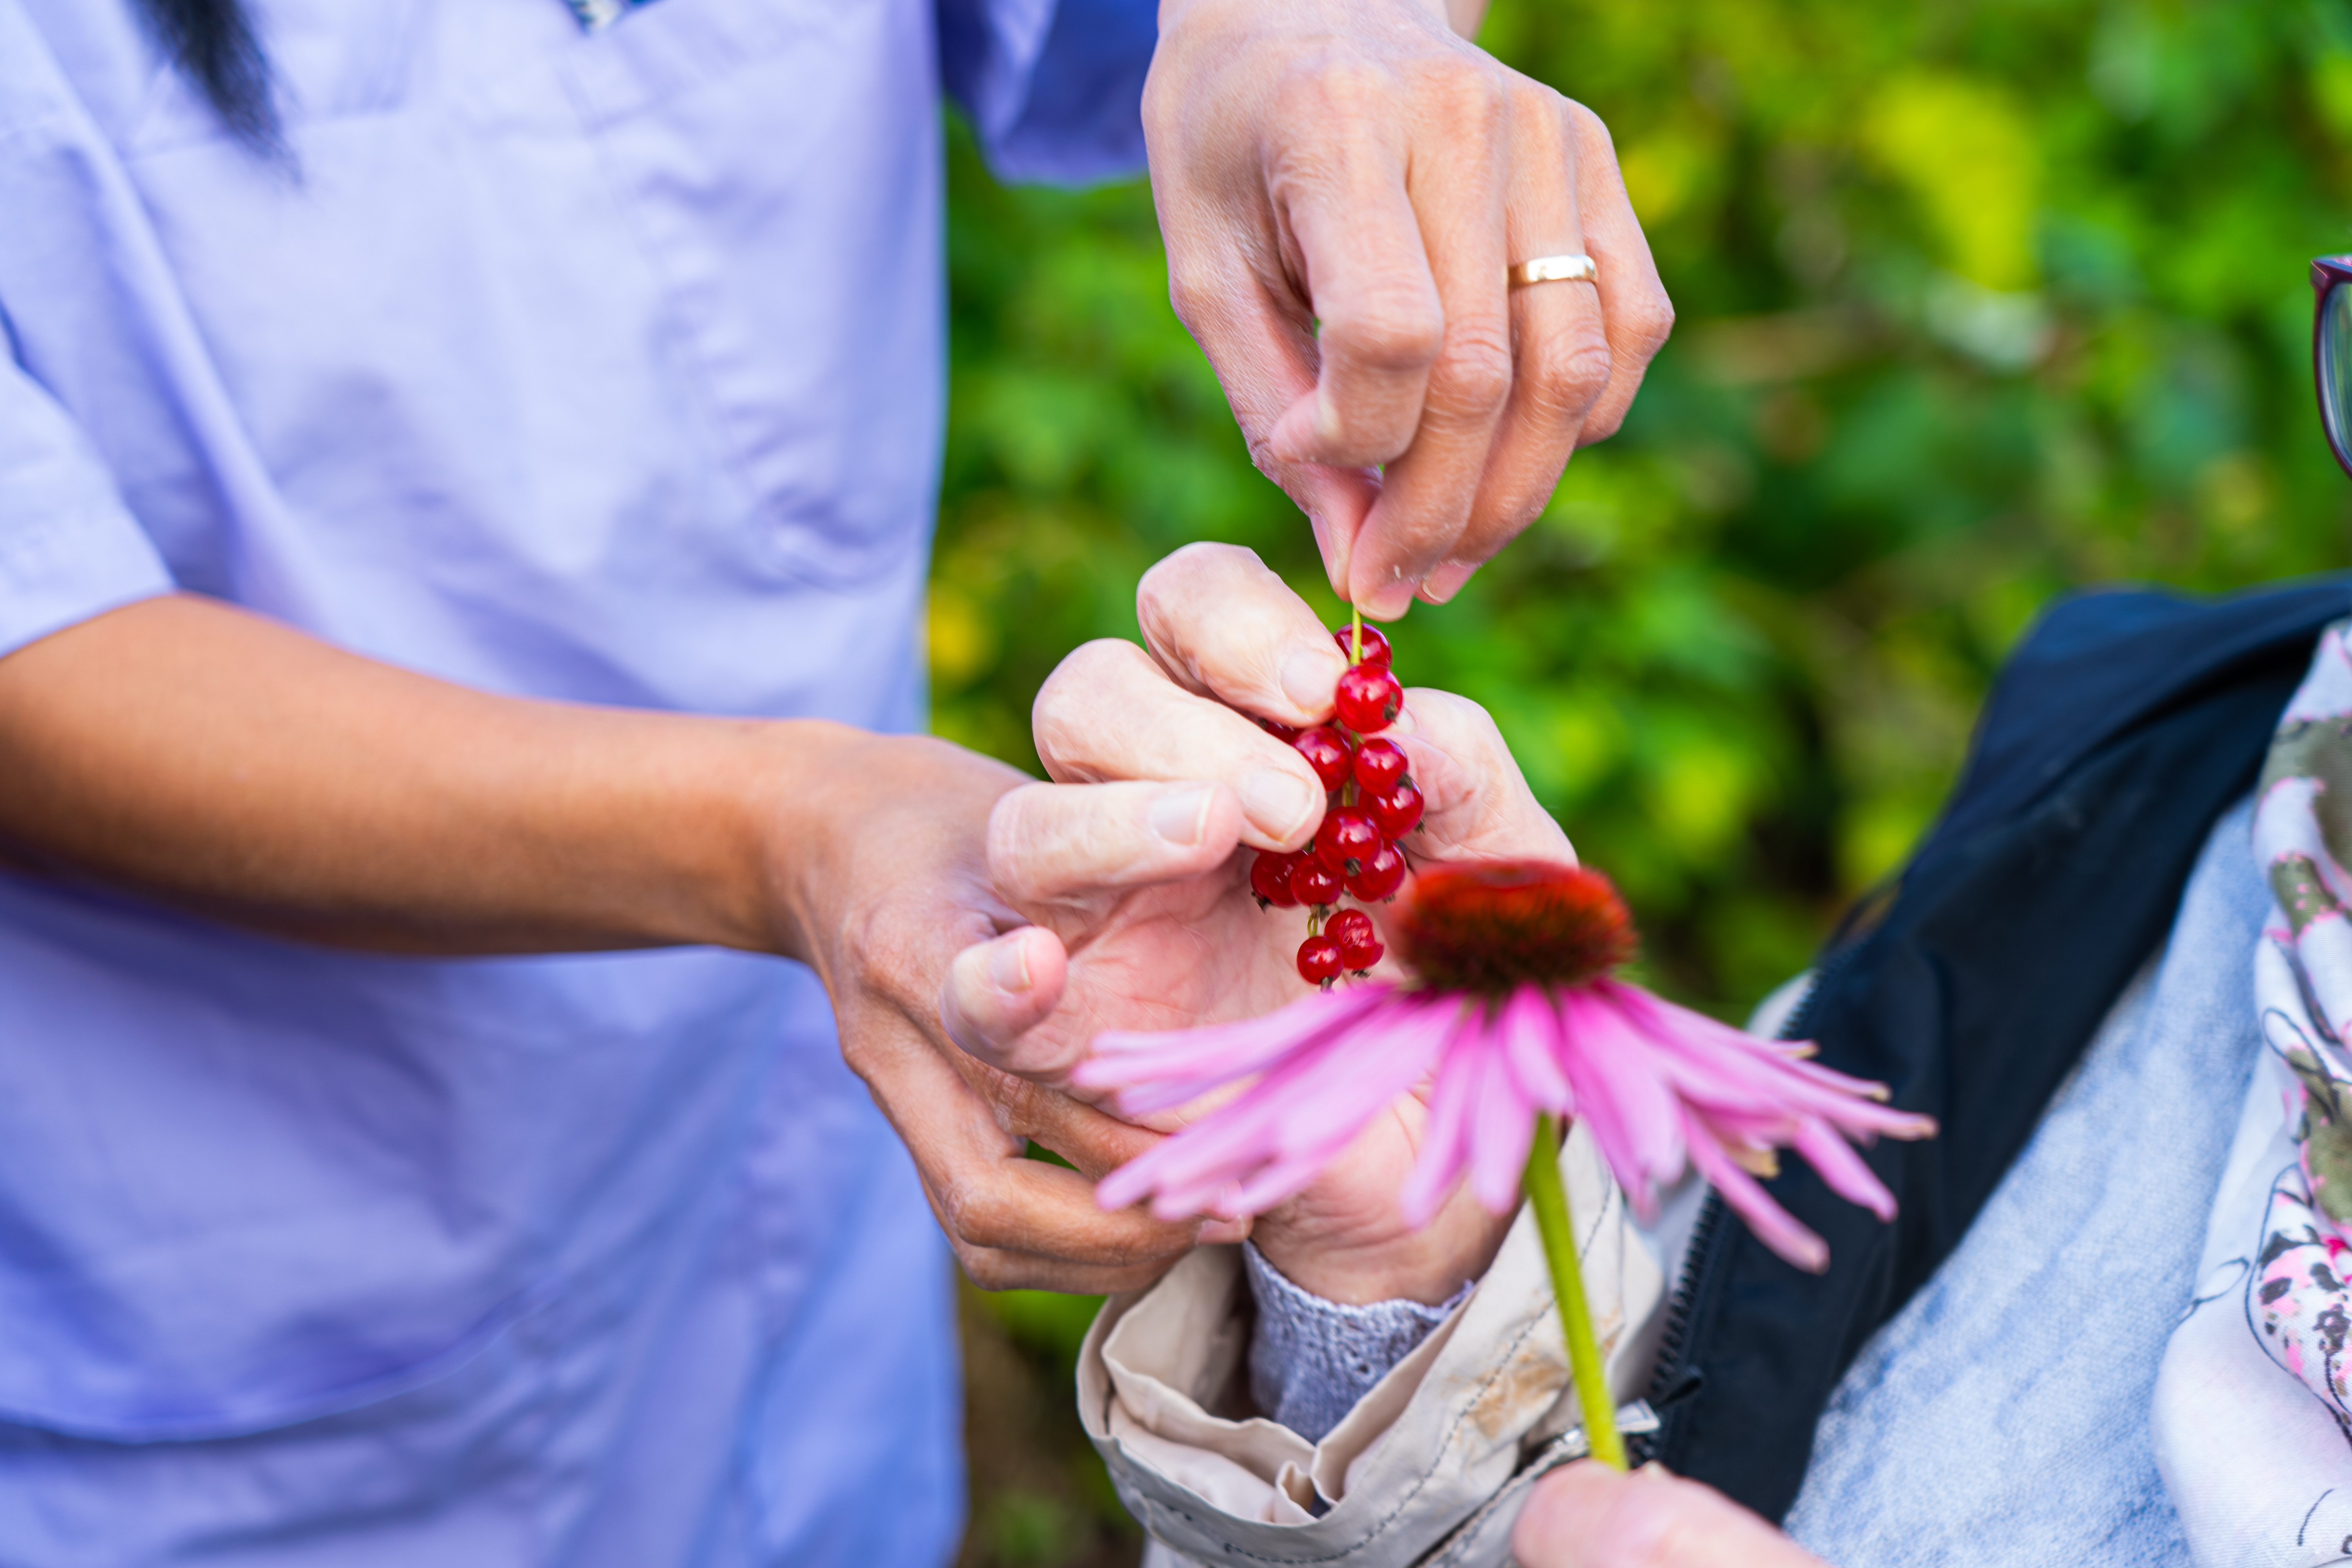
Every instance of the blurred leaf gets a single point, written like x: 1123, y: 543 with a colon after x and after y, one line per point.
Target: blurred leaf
x: 1976, y: 304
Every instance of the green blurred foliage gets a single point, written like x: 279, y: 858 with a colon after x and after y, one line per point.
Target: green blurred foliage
x: 1040, y: 1498
x: 1978, y: 302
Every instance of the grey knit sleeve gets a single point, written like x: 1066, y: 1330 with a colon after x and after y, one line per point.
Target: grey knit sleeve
x: 1311, y: 1360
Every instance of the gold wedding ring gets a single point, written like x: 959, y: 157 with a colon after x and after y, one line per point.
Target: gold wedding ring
x: 1554, y: 269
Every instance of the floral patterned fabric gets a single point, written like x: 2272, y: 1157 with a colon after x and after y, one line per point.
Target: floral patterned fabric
x: 2297, y: 1301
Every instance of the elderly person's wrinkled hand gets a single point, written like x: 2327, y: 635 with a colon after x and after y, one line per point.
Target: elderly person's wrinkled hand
x: 1343, y: 186
x: 1132, y: 909
x: 1590, y: 1515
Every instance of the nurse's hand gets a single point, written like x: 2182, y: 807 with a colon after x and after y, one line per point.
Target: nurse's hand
x: 1588, y: 1516
x: 1143, y: 913
x: 1343, y: 186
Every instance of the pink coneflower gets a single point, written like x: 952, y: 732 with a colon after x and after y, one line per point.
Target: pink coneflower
x: 1512, y: 1019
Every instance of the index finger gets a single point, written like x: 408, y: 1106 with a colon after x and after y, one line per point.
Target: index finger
x: 1223, y: 626
x: 1013, y: 1221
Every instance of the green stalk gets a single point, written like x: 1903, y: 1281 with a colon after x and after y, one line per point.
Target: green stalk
x: 1548, y: 1196
x: 1355, y: 633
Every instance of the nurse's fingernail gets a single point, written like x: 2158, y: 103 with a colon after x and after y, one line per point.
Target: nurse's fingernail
x: 1008, y: 966
x: 1278, y: 802
x: 1181, y: 818
x: 1311, y: 674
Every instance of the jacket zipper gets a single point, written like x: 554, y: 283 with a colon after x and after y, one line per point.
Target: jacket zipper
x: 1675, y: 1382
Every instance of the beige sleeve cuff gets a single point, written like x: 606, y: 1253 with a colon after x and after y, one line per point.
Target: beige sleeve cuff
x: 1428, y: 1466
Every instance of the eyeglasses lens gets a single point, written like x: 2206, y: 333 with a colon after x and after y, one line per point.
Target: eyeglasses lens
x: 2336, y: 367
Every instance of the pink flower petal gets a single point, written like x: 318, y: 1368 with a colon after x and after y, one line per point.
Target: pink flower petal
x: 1161, y: 1071
x: 1621, y: 1093
x: 1445, y: 1150
x: 1273, y: 1138
x: 1502, y: 1128
x: 1844, y: 1169
x: 1775, y: 1226
x: 1529, y: 1027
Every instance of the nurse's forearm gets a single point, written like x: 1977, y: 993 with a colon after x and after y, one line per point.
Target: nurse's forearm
x: 228, y: 764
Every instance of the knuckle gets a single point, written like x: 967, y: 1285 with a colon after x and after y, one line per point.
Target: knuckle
x: 879, y: 950
x: 1602, y: 425
x: 1334, y: 88
x: 1588, y: 129
x: 1650, y: 321
x: 1535, y: 106
x: 1163, y: 590
x: 1194, y: 289
x: 1569, y: 374
x: 1466, y: 90
x: 1163, y: 106
x: 986, y: 1268
x: 1067, y: 704
x: 1472, y: 381
x: 973, y: 1212
x: 1012, y: 1100
x: 1396, y: 327
x: 1013, y: 834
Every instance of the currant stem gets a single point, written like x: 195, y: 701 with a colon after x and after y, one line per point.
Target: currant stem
x: 1355, y: 633
x: 1548, y: 1196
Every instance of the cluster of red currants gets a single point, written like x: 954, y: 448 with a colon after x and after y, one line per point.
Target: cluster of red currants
x: 1373, y: 804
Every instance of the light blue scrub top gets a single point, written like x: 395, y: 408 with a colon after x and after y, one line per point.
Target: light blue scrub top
x: 604, y: 367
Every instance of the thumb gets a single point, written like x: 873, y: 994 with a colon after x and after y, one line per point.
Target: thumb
x: 1590, y: 1515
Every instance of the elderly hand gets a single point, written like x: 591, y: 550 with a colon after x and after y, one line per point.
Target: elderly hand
x: 1588, y: 1516
x: 1141, y: 909
x: 1343, y: 186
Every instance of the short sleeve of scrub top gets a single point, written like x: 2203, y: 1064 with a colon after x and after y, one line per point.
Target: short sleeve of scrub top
x: 70, y: 548
x: 602, y: 367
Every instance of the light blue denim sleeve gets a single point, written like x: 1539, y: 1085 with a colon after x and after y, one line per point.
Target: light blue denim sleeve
x: 68, y: 546
x: 1054, y: 88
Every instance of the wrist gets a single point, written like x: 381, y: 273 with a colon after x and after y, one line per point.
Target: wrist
x: 787, y: 791
x: 1430, y: 1265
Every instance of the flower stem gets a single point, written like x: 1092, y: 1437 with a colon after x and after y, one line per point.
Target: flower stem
x: 1549, y: 1197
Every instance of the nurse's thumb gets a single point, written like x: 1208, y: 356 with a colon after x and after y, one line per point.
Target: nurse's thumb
x: 998, y: 991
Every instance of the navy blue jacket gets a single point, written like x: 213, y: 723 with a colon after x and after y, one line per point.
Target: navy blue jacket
x: 2123, y: 727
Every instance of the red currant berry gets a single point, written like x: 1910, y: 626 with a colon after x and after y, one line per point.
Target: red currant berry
x: 1313, y: 882
x: 1376, y: 647
x: 1270, y: 880
x: 1319, y: 960
x: 1350, y: 927
x: 1347, y: 841
x: 1368, y: 698
x: 1360, y: 960
x: 1325, y: 753
x: 1382, y: 875
x: 1282, y: 732
x: 1380, y: 764
x: 1396, y: 813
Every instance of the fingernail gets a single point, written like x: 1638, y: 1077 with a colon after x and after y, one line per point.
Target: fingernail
x: 1181, y: 818
x: 1446, y: 582
x: 1310, y: 676
x: 1278, y: 803
x: 1008, y: 967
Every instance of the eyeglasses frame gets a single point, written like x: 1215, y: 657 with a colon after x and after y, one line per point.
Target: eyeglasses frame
x: 2328, y: 273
